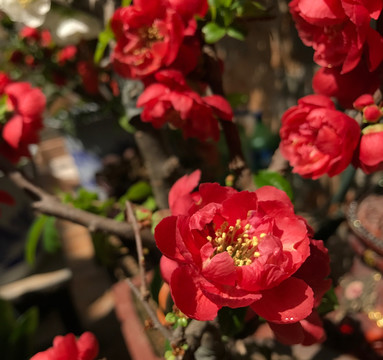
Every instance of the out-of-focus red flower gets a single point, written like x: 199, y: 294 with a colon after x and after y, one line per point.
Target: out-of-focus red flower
x: 148, y: 34
x: 372, y: 113
x: 236, y: 249
x: 4, y: 81
x: 45, y: 38
x: 172, y: 100
x: 362, y: 101
x: 346, y: 87
x: 317, y: 139
x: 69, y: 348
x: 369, y: 155
x: 339, y: 31
x: 23, y: 121
x: 29, y: 34
x: 66, y: 54
x: 89, y: 76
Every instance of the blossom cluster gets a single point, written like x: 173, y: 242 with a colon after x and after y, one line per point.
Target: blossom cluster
x: 346, y: 46
x: 227, y: 248
x: 317, y: 139
x: 69, y: 348
x: 158, y: 43
x: 21, y: 119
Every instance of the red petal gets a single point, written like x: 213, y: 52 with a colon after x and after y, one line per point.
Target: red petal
x: 65, y: 348
x: 154, y: 91
x: 87, y: 346
x: 289, y: 302
x: 12, y: 131
x: 220, y: 106
x: 189, y: 298
x: 180, y: 199
x: 167, y: 266
x: 220, y: 269
x: 165, y: 235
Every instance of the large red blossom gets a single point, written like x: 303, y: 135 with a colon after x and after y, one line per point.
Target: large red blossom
x: 69, y: 348
x: 227, y: 248
x: 171, y: 100
x: 149, y: 34
x: 369, y: 155
x: 346, y: 87
x: 340, y: 31
x: 23, y: 119
x: 317, y: 139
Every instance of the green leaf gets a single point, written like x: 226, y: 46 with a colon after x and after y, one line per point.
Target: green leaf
x: 265, y: 177
x: 126, y: 2
x: 213, y: 32
x: 104, y: 38
x: 237, y: 99
x: 124, y: 122
x: 150, y: 203
x: 329, y: 302
x: 33, y: 238
x: 51, y: 237
x: 137, y: 192
x: 236, y: 32
x: 7, y: 323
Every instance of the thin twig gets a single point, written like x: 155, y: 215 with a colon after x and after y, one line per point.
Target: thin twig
x: 48, y: 204
x: 141, y: 259
x: 164, y: 331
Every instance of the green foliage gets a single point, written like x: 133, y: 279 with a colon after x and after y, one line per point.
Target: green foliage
x: 104, y: 39
x: 44, y: 228
x: 265, y: 177
x: 88, y: 200
x: 16, y: 332
x: 126, y: 2
x: 124, y: 122
x: 329, y: 302
x: 227, y: 18
x: 137, y: 192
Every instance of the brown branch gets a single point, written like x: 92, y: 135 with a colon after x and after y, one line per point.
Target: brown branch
x: 164, y: 331
x: 141, y: 259
x: 50, y: 205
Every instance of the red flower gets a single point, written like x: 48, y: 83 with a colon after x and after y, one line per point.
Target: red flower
x: 30, y: 34
x: 89, y: 76
x: 369, y: 155
x: 346, y: 87
x: 172, y: 100
x: 236, y: 249
x: 66, y: 54
x: 339, y: 31
x: 68, y: 348
x: 317, y: 139
x: 148, y: 34
x: 23, y: 121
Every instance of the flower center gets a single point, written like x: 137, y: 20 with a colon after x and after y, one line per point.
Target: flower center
x: 237, y: 241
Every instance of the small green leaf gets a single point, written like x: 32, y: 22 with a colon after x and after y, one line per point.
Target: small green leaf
x: 33, y: 238
x: 236, y: 32
x: 138, y: 192
x: 237, y: 99
x: 51, y: 240
x: 150, y: 203
x: 329, y: 302
x: 265, y: 177
x: 120, y: 216
x: 124, y: 122
x: 126, y: 2
x: 104, y: 39
x: 213, y: 32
